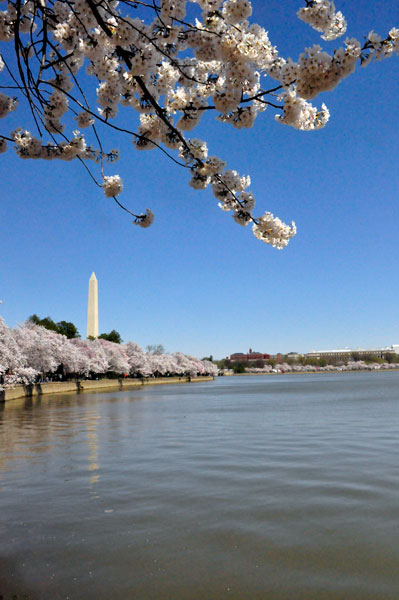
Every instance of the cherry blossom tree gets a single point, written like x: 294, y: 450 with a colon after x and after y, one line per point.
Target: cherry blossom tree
x: 12, y: 362
x: 80, y: 358
x: 116, y: 354
x: 159, y: 364
x: 138, y: 360
x: 94, y: 356
x: 209, y: 367
x: 185, y: 365
x: 171, y: 63
x: 30, y: 350
x: 41, y: 348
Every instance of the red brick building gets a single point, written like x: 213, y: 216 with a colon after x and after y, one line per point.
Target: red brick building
x: 249, y: 357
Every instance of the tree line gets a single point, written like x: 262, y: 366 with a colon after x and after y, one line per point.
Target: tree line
x: 305, y: 361
x: 70, y: 330
x: 31, y: 352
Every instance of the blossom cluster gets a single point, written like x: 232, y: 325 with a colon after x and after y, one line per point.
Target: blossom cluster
x: 273, y: 231
x: 112, y: 185
x: 30, y: 350
x: 321, y: 15
x: 171, y: 73
x: 316, y: 71
x: 300, y: 114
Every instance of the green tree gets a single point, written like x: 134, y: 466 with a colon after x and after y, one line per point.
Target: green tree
x: 223, y: 363
x: 313, y: 362
x: 63, y: 327
x: 112, y: 336
x: 47, y: 322
x: 68, y: 329
x: 34, y: 319
x: 210, y: 358
x: 369, y: 358
x: 390, y: 357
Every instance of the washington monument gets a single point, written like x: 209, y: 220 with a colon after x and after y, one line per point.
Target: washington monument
x: 92, y: 308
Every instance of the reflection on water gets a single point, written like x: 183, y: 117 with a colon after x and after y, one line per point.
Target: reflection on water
x: 93, y: 446
x: 284, y: 488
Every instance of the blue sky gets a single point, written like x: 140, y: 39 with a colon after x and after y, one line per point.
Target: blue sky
x: 197, y: 282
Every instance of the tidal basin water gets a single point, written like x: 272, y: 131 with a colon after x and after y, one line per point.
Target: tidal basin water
x: 283, y: 487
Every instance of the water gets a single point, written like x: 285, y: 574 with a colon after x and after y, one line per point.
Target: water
x: 280, y: 488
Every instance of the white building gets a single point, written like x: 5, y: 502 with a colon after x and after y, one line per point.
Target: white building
x: 346, y: 353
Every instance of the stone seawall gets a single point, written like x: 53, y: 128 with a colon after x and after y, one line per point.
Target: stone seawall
x: 77, y: 387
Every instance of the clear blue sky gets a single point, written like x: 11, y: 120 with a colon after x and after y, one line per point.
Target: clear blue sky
x: 197, y: 282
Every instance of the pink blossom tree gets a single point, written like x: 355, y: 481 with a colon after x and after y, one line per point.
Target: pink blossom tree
x: 13, y: 368
x: 170, y: 69
x: 31, y: 350
x: 42, y: 349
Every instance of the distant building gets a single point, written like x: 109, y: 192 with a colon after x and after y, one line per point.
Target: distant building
x: 346, y: 353
x: 249, y: 357
x: 343, y: 354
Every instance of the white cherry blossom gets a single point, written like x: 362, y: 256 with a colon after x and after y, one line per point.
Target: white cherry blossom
x: 31, y: 351
x: 84, y: 61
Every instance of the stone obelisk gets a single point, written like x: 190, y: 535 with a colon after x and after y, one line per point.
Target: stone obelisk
x: 92, y: 308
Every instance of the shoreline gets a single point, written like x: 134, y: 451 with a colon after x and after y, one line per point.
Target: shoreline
x: 90, y: 385
x: 314, y: 372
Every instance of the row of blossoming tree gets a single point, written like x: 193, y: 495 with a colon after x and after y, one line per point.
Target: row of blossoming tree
x: 31, y: 351
x: 171, y: 63
x: 351, y: 365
